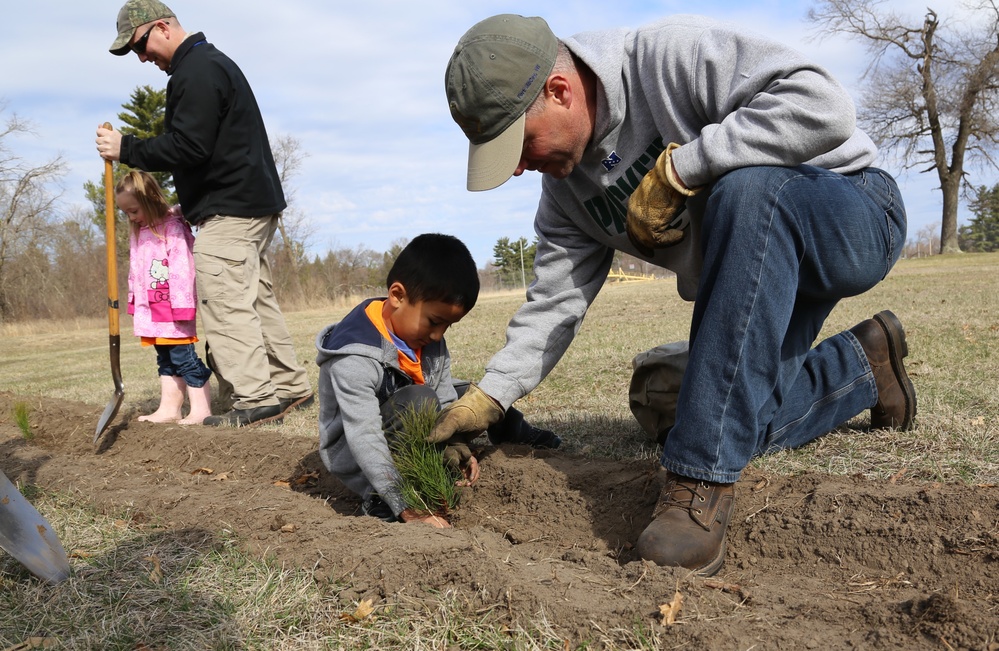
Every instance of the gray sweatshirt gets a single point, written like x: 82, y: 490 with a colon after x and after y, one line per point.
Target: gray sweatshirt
x: 358, y: 371
x: 730, y: 98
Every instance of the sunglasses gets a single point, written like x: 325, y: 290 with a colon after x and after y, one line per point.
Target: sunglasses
x: 139, y: 47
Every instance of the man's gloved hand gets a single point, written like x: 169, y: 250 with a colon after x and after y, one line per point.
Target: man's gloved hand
x: 655, y: 209
x: 472, y: 413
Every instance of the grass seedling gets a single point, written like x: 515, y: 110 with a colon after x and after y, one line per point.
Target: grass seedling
x: 21, y: 412
x: 428, y: 485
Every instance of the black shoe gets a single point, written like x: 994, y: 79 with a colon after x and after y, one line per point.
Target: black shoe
x: 537, y: 438
x: 244, y: 417
x: 302, y: 402
x: 375, y: 507
x: 514, y: 429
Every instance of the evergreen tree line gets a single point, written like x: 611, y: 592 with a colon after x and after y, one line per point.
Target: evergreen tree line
x: 981, y: 233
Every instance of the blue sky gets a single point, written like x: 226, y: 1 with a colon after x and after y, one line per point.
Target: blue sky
x: 360, y: 85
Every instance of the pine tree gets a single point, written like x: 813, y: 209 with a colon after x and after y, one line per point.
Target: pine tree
x: 143, y: 117
x: 514, y: 261
x: 981, y: 234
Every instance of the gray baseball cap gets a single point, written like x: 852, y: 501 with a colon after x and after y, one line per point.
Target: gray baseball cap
x: 133, y: 14
x: 497, y: 70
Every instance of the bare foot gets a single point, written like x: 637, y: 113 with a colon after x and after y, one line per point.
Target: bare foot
x: 194, y: 419
x: 160, y: 417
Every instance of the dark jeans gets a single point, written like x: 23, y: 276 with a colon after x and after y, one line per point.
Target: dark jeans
x: 781, y: 247
x: 181, y: 360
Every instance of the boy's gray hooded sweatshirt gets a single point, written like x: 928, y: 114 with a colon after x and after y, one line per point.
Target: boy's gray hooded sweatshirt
x: 358, y: 371
x: 729, y: 98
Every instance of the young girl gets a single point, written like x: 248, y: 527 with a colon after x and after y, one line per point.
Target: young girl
x: 161, y: 296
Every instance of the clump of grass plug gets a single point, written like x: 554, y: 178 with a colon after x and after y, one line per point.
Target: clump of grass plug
x: 428, y: 485
x: 21, y: 411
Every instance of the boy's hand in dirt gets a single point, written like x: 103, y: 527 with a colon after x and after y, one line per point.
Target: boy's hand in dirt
x: 458, y: 456
x: 471, y: 472
x: 410, y: 515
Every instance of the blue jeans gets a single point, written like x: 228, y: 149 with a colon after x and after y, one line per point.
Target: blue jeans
x: 781, y: 247
x: 181, y: 360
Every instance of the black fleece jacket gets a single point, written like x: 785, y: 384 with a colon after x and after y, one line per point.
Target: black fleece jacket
x: 214, y: 141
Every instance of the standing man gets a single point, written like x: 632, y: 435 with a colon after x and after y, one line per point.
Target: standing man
x: 730, y: 160
x: 216, y: 147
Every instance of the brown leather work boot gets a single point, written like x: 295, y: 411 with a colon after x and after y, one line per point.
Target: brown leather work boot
x: 883, y: 340
x: 688, y: 525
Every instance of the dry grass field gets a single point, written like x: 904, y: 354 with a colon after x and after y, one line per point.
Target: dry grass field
x: 189, y: 537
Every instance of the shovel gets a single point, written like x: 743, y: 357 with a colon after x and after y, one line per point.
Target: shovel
x: 28, y: 537
x: 114, y: 337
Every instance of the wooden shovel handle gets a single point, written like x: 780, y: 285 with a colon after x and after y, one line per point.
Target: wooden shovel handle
x: 109, y: 234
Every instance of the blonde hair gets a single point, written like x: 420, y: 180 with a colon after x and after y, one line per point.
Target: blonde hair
x: 148, y: 193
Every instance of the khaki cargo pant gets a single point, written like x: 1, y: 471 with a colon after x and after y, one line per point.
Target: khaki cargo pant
x: 248, y: 344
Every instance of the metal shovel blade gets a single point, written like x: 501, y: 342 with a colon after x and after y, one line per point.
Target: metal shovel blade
x: 28, y: 537
x: 111, y: 410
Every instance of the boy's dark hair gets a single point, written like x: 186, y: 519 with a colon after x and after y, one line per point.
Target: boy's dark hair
x: 437, y: 267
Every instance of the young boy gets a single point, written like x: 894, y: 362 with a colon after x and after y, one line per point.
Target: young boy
x: 388, y: 354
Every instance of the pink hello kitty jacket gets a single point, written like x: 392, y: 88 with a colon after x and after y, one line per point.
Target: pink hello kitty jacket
x: 161, y: 295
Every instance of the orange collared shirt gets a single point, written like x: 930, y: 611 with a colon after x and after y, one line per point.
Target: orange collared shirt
x: 412, y: 368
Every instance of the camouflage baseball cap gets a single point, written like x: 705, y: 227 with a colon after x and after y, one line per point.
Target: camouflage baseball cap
x: 496, y: 71
x: 133, y: 14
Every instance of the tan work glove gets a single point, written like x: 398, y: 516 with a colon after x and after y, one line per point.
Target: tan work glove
x: 655, y: 209
x: 472, y: 413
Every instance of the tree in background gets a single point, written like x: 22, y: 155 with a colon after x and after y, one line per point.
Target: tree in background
x: 27, y: 215
x: 982, y: 232
x: 925, y: 242
x: 344, y: 276
x: 288, y: 252
x: 143, y: 117
x: 930, y: 93
x: 514, y: 261
x: 389, y: 258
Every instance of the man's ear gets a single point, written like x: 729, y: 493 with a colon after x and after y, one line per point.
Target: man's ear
x: 558, y: 89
